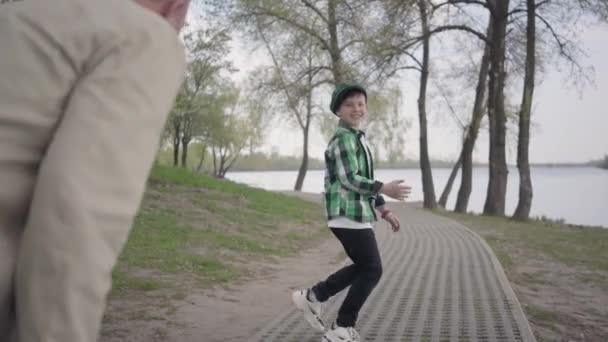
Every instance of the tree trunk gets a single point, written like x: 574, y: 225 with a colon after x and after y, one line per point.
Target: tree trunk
x: 176, y: 142
x: 497, y: 185
x: 425, y: 165
x: 203, y: 155
x: 443, y: 200
x: 230, y: 163
x: 175, y: 152
x: 304, y: 164
x: 522, y: 212
x: 335, y: 53
x: 222, y: 170
x: 466, y: 180
x: 213, y: 150
x: 305, y: 131
x: 185, y: 143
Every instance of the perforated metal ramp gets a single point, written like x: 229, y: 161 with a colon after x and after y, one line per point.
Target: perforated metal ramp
x: 441, y: 282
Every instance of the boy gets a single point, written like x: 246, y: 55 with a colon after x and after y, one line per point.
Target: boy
x: 351, y: 195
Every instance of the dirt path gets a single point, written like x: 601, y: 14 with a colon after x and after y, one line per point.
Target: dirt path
x: 225, y: 314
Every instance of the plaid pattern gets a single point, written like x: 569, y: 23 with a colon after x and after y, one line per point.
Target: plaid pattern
x: 350, y: 189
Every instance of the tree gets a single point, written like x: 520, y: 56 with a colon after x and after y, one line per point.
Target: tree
x: 404, y: 45
x: 497, y: 184
x: 229, y: 130
x: 292, y: 79
x: 425, y: 165
x: 466, y: 181
x: 206, y: 50
x: 311, y: 44
x: 548, y: 12
x: 341, y: 29
x: 522, y: 212
x: 443, y: 199
x: 545, y: 12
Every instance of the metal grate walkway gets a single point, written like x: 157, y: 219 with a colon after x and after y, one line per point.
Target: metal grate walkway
x: 441, y: 282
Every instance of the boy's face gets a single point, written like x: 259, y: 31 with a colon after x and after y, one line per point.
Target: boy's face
x: 353, y: 110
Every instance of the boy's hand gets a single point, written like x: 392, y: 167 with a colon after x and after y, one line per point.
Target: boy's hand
x: 393, y: 220
x: 396, y: 190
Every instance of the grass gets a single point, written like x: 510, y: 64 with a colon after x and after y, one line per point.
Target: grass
x: 573, y: 245
x: 123, y: 281
x: 261, y: 201
x: 546, y: 317
x: 209, y: 229
x: 503, y: 257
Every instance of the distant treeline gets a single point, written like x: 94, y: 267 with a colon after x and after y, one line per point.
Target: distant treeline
x: 602, y: 163
x: 275, y: 162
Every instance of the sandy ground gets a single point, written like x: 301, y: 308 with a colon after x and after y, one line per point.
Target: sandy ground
x: 225, y: 314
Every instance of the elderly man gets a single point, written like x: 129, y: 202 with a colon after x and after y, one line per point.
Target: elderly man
x: 85, y: 87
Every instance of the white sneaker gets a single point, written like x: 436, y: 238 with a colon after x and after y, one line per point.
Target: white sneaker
x: 340, y: 334
x: 311, y: 309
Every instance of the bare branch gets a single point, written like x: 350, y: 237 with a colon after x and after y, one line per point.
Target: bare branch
x: 352, y: 42
x: 560, y: 44
x: 443, y: 93
x: 414, y: 58
x: 316, y: 10
x: 321, y: 82
x: 456, y: 2
x: 461, y: 28
x: 523, y: 10
x: 290, y: 99
x: 266, y: 12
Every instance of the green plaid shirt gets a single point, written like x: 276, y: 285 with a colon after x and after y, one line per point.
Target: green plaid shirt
x: 350, y: 189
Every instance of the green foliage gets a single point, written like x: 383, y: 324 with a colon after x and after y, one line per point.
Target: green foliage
x: 387, y: 128
x: 203, y: 89
x: 229, y: 130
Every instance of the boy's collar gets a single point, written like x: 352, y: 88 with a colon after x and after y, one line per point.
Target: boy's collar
x: 343, y: 124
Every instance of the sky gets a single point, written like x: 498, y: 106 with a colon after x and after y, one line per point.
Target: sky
x: 569, y: 124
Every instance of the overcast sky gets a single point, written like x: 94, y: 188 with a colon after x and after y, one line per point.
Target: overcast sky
x: 570, y: 125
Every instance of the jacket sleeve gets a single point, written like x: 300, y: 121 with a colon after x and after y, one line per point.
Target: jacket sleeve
x: 90, y: 183
x: 380, y: 201
x: 344, y: 152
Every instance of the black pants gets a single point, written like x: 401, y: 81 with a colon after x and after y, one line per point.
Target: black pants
x: 362, y: 276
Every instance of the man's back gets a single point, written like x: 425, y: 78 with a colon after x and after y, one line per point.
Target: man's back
x: 45, y: 49
x: 79, y: 79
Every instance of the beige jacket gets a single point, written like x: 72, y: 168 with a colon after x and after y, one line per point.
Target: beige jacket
x: 85, y: 88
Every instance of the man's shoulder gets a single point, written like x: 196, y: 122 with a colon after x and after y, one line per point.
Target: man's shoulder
x: 129, y: 17
x: 89, y: 23
x: 126, y: 22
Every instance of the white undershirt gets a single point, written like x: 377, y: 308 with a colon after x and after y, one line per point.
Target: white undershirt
x: 343, y: 222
